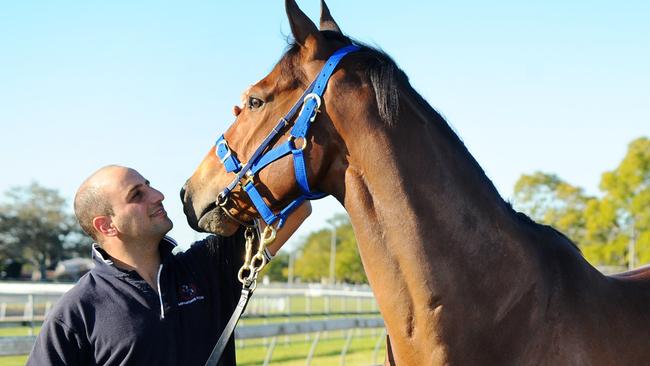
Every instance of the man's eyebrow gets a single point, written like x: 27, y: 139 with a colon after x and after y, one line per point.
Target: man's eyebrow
x: 135, y: 187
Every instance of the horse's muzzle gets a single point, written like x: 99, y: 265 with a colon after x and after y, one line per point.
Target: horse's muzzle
x: 206, y: 217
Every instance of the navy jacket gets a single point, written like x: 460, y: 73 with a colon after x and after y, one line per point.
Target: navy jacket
x: 113, y: 317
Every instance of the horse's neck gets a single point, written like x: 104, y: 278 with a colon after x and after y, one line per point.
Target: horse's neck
x: 435, y: 238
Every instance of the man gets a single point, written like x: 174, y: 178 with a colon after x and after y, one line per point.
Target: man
x: 144, y: 303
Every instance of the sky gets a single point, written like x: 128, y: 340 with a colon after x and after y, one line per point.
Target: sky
x: 553, y: 86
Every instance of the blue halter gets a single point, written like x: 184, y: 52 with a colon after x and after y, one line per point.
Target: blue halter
x: 310, y: 102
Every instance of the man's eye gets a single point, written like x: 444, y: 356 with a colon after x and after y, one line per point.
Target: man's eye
x: 254, y: 103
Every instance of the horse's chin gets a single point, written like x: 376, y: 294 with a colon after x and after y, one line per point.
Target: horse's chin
x: 216, y: 222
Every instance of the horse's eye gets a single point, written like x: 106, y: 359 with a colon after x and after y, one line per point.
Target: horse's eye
x: 254, y: 103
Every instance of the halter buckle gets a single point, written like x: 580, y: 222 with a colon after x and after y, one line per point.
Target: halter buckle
x: 249, y: 178
x: 316, y: 97
x: 228, y: 153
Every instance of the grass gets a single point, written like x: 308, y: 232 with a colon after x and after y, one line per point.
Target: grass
x: 289, y: 350
x: 13, y: 360
x: 17, y: 331
x: 294, y: 350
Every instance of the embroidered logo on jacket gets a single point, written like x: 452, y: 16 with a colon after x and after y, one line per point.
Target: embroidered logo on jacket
x: 188, y: 294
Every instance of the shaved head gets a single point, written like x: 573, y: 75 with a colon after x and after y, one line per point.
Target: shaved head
x: 91, y: 200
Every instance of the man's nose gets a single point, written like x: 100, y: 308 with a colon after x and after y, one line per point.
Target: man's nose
x: 157, y: 195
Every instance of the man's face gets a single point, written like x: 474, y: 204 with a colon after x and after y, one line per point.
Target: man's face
x: 137, y: 207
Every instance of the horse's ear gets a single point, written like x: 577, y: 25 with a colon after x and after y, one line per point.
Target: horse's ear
x: 327, y: 23
x: 301, y: 26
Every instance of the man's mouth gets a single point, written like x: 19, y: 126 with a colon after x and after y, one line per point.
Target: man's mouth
x: 159, y: 212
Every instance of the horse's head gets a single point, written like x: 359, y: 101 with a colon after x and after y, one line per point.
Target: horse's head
x: 212, y: 201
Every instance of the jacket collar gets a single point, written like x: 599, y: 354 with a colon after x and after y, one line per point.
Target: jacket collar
x: 104, y: 263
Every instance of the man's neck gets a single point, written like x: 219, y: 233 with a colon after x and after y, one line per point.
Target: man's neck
x: 142, y: 257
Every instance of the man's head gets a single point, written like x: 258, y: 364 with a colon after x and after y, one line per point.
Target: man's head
x: 116, y: 202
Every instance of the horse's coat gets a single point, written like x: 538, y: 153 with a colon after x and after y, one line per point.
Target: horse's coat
x: 460, y: 278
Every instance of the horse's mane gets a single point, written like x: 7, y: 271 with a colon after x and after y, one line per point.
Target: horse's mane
x: 386, y: 78
x: 382, y: 71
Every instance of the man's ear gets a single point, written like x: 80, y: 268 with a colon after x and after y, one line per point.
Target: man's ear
x: 104, y: 225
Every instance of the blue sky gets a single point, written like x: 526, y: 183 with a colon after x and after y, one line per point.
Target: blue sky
x: 556, y: 86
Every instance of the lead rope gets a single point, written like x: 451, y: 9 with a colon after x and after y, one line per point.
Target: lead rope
x: 253, y: 264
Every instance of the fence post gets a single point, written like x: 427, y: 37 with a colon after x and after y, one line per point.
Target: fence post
x: 29, y: 313
x: 380, y: 341
x: 312, y: 349
x: 269, y: 352
x: 346, y: 347
x: 48, y: 307
x: 307, y: 311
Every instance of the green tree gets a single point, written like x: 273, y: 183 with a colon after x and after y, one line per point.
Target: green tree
x: 277, y: 269
x: 35, y: 227
x: 548, y: 199
x: 623, y: 214
x: 349, y: 267
x: 313, y: 264
x: 605, y: 227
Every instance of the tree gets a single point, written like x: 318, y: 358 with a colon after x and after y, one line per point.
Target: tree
x: 548, y: 199
x: 313, y: 262
x: 625, y: 207
x: 277, y: 269
x: 35, y: 226
x: 613, y: 229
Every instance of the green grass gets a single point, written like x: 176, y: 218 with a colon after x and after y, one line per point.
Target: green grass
x: 294, y: 350
x: 17, y: 331
x: 289, y: 350
x: 292, y: 353
x: 13, y: 360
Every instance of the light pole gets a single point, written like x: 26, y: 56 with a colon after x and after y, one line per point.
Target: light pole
x: 631, y: 250
x: 290, y: 274
x: 332, y: 255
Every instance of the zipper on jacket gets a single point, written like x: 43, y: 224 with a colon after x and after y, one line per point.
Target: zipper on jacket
x: 162, y: 308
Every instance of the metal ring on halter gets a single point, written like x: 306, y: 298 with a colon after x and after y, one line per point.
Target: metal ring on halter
x: 293, y: 139
x: 222, y: 199
x: 224, y: 143
x: 248, y: 178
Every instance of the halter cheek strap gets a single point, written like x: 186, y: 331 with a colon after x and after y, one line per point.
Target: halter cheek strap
x: 310, y: 102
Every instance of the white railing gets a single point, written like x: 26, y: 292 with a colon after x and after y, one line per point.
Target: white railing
x: 22, y: 345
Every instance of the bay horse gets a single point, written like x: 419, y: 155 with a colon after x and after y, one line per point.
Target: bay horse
x: 459, y: 276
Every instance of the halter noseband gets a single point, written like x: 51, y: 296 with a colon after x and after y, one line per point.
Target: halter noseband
x: 310, y: 102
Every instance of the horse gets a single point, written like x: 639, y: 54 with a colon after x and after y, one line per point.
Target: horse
x: 460, y: 277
